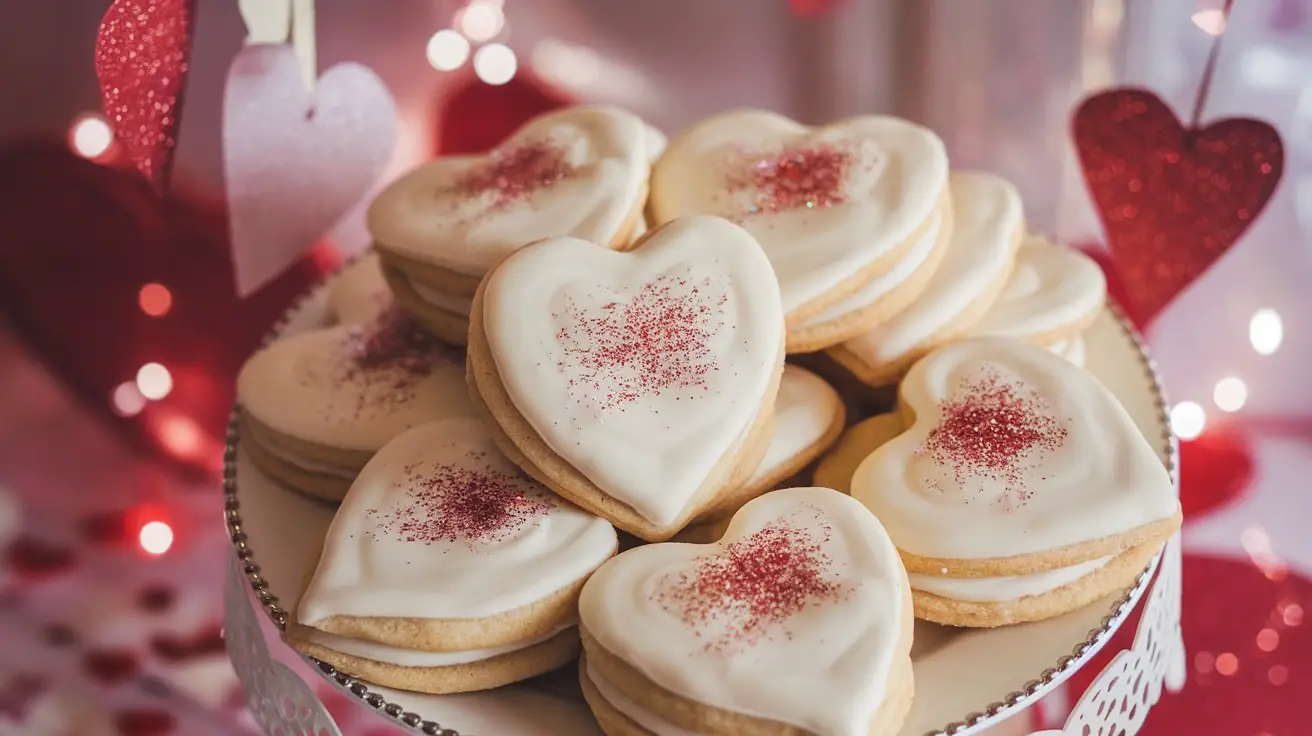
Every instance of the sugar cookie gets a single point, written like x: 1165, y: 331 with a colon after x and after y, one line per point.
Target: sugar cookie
x: 839, y: 464
x: 1053, y: 294
x: 988, y: 222
x: 359, y: 294
x: 1015, y: 464
x: 316, y: 406
x: 833, y: 207
x: 1072, y: 349
x: 578, y: 172
x: 637, y: 385
x: 797, y: 621
x: 446, y: 570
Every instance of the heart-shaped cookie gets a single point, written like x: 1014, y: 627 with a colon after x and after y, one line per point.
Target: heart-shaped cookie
x: 1014, y: 461
x: 1053, y: 293
x: 632, y: 382
x: 834, y: 207
x: 578, y: 172
x: 441, y: 531
x: 359, y: 294
x: 799, y: 616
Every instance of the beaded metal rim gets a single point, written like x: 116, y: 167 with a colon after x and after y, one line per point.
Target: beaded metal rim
x: 1065, y: 665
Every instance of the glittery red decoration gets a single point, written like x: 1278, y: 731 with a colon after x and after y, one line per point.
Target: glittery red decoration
x: 805, y: 178
x: 749, y: 589
x: 992, y: 432
x: 388, y: 358
x: 1171, y: 200
x: 657, y: 341
x: 141, y: 61
x: 513, y: 174
x: 452, y: 504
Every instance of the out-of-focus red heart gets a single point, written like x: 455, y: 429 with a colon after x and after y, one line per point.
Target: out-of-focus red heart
x: 1172, y: 200
x: 80, y: 242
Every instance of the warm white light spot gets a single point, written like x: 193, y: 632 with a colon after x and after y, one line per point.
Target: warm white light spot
x: 1266, y: 331
x: 495, y: 63
x: 447, y: 50
x: 1212, y: 22
x: 127, y: 400
x: 155, y: 537
x: 568, y: 65
x: 154, y: 381
x: 1188, y: 420
x: 181, y: 436
x: 91, y: 136
x: 1230, y: 394
x: 481, y: 21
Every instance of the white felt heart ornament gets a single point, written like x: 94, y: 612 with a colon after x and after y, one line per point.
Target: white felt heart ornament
x: 296, y: 161
x: 640, y: 369
x: 825, y: 203
x: 439, y: 525
x: 578, y: 172
x: 800, y: 614
x: 1012, y: 451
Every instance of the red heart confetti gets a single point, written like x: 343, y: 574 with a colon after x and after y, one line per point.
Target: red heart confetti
x: 142, y: 53
x: 1172, y: 200
x: 173, y: 648
x: 110, y: 666
x: 144, y: 722
x: 34, y: 558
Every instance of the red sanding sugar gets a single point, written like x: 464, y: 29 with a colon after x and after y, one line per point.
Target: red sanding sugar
x: 997, y: 430
x: 810, y: 178
x: 750, y: 589
x: 448, y: 503
x: 657, y: 341
x: 387, y: 359
x: 513, y: 174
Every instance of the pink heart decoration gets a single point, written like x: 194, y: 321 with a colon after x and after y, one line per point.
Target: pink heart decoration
x: 297, y: 161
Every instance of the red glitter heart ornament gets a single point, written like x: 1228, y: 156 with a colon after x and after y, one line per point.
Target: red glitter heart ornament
x: 142, y: 52
x: 1171, y: 199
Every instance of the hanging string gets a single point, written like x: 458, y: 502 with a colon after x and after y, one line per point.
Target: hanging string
x: 1205, y: 84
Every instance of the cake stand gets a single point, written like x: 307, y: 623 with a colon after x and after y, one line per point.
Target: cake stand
x: 966, y: 680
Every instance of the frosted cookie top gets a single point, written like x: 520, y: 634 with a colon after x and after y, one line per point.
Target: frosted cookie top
x: 1051, y: 287
x: 354, y: 387
x: 578, y: 172
x: 1013, y: 450
x: 987, y: 221
x: 641, y: 369
x: 359, y: 294
x: 803, y: 412
x: 823, y: 202
x: 798, y: 614
x: 440, y: 525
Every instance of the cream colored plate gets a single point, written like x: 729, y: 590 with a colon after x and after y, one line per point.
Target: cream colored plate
x: 965, y: 680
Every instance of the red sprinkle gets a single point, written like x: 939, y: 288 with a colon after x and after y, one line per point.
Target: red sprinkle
x: 451, y: 504
x: 754, y: 585
x: 512, y: 174
x: 810, y: 178
x: 995, y: 432
x: 387, y: 359
x: 660, y: 340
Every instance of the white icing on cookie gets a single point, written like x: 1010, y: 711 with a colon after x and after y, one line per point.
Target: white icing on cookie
x: 446, y: 302
x: 636, y: 713
x: 823, y: 202
x: 1071, y: 349
x: 1011, y: 588
x: 987, y: 216
x: 1067, y: 465
x: 656, y: 143
x: 830, y: 600
x: 414, y: 658
x: 360, y: 294
x: 575, y: 172
x: 1051, y: 287
x: 354, y: 387
x: 803, y: 412
x: 441, y: 525
x: 885, y: 283
x: 640, y: 369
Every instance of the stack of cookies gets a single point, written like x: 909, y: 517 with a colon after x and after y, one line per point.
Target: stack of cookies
x: 579, y: 343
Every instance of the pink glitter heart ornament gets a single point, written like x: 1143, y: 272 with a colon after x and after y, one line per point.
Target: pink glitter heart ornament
x: 297, y: 161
